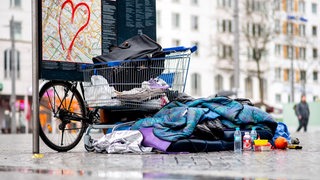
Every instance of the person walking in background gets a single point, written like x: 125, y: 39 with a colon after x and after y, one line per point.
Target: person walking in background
x: 303, y: 113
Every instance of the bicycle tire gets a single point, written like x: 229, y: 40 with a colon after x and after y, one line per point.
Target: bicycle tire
x: 59, y: 134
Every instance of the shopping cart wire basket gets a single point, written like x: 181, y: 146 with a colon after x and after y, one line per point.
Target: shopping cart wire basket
x: 137, y: 83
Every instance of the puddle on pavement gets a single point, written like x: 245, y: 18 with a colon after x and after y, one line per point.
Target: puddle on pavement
x: 113, y: 174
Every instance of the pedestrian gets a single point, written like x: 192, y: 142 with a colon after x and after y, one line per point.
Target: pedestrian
x: 303, y: 113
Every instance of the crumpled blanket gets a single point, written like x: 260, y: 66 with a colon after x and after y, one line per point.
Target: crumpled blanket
x: 177, y: 120
x: 173, y: 123
x: 124, y: 141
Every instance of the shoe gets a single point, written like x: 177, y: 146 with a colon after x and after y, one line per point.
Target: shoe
x: 295, y: 141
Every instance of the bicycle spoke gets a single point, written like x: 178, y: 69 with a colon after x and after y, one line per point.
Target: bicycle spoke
x: 62, y: 138
x: 61, y: 115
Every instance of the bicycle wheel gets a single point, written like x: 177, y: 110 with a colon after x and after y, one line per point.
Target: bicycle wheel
x: 61, y: 115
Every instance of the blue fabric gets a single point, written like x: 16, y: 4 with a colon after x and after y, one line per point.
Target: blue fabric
x: 172, y: 124
x: 282, y: 130
x: 177, y: 120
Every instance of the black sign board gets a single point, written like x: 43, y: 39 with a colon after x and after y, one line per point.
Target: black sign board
x: 74, y: 31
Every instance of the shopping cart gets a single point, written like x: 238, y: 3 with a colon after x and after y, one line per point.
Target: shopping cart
x: 131, y: 87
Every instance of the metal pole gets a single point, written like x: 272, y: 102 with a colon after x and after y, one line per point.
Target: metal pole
x: 236, y: 47
x: 13, y: 78
x: 292, y: 77
x: 291, y: 65
x: 35, y: 74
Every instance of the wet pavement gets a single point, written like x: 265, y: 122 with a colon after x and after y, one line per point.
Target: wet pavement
x: 16, y: 161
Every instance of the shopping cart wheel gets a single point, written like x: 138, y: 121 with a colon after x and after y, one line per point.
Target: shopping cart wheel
x: 89, y: 148
x: 88, y: 141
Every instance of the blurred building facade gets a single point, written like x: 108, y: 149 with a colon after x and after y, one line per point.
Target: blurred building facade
x: 20, y: 12
x: 210, y: 26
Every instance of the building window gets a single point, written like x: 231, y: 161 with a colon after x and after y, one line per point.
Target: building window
x: 302, y: 6
x: 176, y: 20
x: 289, y: 5
x: 290, y: 28
x: 302, y: 30
x: 314, y: 8
x: 225, y: 51
x: 314, y: 30
x: 225, y: 26
x: 249, y: 88
x: 15, y: 3
x: 224, y: 3
x: 277, y: 50
x: 253, y: 5
x: 315, y: 76
x: 277, y: 73
x: 288, y: 51
x: 194, y: 23
x: 196, y: 84
x: 8, y: 64
x: 315, y: 53
x: 302, y: 53
x: 194, y: 2
x: 278, y: 98
x: 17, y: 29
x: 254, y: 29
x: 218, y: 81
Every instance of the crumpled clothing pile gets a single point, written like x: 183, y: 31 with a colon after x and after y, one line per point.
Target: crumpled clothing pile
x: 125, y: 141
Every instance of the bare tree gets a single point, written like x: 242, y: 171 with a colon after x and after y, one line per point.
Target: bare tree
x: 258, y: 31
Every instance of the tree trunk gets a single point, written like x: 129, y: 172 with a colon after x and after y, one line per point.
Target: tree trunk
x: 261, y: 91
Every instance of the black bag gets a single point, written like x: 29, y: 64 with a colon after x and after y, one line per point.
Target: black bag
x: 131, y: 74
x: 137, y: 47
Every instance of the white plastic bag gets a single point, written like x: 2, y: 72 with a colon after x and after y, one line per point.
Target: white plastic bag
x: 99, y: 89
x: 124, y: 141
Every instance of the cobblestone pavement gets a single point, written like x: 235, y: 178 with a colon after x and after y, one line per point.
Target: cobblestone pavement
x: 16, y: 162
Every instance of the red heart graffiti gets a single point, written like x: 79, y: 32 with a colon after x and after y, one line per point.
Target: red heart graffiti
x: 73, y: 10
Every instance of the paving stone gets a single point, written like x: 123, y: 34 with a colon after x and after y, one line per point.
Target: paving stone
x: 16, y: 160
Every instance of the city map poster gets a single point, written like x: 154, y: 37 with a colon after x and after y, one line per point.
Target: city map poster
x: 71, y: 30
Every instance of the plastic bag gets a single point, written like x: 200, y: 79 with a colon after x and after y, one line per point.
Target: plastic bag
x: 99, y: 89
x: 125, y: 141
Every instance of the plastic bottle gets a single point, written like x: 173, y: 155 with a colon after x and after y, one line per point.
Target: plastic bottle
x: 237, y: 141
x: 253, y: 135
x: 247, y: 142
